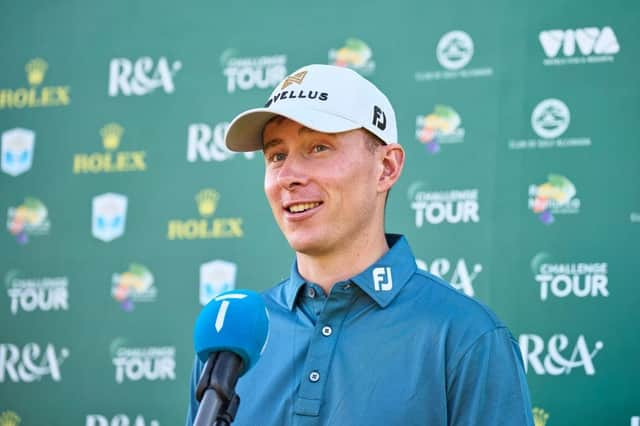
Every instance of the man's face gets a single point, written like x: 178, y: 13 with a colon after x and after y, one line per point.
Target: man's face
x: 322, y: 187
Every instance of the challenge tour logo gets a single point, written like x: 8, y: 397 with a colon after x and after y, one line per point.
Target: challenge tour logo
x: 133, y: 286
x: 355, y: 54
x: 17, y: 151
x: 109, y: 215
x: 111, y: 160
x: 454, y: 52
x: 554, y: 197
x: 550, y: 120
x: 35, y: 95
x: 452, y: 206
x: 247, y: 73
x: 580, y: 46
x: 141, y: 76
x: 36, y: 294
x: 205, y: 227
x: 207, y: 144
x: 149, y: 363
x: 440, y: 127
x: 461, y: 277
x: 559, y: 355
x: 28, y: 220
x: 31, y: 362
x: 216, y: 277
x: 579, y: 279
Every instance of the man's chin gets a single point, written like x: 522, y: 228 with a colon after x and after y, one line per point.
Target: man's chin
x: 308, y: 246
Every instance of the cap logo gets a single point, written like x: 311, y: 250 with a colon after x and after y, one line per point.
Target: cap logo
x: 379, y: 118
x: 295, y: 78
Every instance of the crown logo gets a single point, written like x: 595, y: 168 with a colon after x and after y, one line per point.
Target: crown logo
x: 540, y: 416
x: 207, y: 200
x: 111, y: 134
x: 9, y: 418
x: 295, y: 78
x: 36, y: 69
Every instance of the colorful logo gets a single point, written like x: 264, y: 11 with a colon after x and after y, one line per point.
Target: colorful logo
x: 355, y: 54
x: 17, y: 150
x: 35, y: 96
x: 216, y: 277
x: 109, y: 216
x: 540, y: 417
x: 550, y: 118
x: 556, y: 196
x: 134, y: 285
x: 442, y: 126
x: 28, y: 219
x: 9, y: 418
x: 454, y: 50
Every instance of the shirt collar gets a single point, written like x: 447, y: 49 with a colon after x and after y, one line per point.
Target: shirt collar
x: 381, y: 281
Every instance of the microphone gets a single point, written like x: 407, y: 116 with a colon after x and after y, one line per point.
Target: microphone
x: 230, y: 334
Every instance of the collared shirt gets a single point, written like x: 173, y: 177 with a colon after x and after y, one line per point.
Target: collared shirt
x: 393, y: 345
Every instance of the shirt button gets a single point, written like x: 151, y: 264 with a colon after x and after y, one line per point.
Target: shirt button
x: 311, y: 292
x: 326, y: 331
x: 347, y: 286
x: 314, y: 376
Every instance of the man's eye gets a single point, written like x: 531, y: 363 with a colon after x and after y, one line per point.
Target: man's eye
x: 278, y: 156
x: 320, y: 148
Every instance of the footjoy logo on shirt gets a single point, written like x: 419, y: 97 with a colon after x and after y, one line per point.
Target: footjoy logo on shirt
x: 382, y: 279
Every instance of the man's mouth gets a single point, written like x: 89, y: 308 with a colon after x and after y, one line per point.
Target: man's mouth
x: 302, y: 207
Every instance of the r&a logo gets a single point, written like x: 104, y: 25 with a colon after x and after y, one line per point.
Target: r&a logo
x: 207, y: 143
x: 118, y: 420
x: 142, y: 76
x: 460, y: 278
x: 382, y: 279
x: 31, y: 363
x: 553, y: 359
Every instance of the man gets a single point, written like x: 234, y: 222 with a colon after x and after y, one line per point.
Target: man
x: 359, y: 335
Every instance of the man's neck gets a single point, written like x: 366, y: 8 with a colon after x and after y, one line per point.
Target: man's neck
x: 339, y: 265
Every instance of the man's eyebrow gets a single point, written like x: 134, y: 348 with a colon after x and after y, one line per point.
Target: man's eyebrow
x: 271, y: 143
x: 304, y: 129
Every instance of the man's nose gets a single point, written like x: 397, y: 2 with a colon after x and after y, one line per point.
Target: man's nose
x: 293, y: 172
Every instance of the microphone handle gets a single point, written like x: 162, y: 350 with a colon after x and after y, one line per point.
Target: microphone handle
x: 216, y: 390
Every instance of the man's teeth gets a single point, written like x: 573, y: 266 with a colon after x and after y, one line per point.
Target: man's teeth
x: 297, y: 208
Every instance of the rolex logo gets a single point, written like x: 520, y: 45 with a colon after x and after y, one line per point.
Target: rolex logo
x: 36, y: 69
x: 207, y: 200
x: 295, y: 78
x: 540, y: 417
x: 9, y: 418
x: 111, y: 135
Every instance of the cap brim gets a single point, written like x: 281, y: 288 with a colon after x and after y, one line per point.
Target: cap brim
x: 245, y: 131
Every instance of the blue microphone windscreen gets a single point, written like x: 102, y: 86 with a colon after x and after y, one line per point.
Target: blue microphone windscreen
x: 236, y: 321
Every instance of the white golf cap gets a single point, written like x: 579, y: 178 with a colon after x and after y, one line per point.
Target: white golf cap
x: 325, y: 98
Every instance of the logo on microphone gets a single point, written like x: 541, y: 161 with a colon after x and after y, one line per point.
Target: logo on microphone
x: 382, y: 279
x: 17, y: 151
x: 217, y: 276
x: 9, y: 418
x: 150, y: 363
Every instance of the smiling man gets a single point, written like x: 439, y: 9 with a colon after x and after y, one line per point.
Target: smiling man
x: 359, y: 335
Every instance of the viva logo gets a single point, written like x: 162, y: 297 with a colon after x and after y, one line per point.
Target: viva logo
x: 28, y: 219
x: 556, y: 196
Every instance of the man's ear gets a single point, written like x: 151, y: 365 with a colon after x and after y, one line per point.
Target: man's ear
x: 392, y: 161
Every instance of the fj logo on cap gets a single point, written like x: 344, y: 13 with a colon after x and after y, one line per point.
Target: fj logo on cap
x: 382, y: 279
x: 295, y: 78
x: 379, y: 118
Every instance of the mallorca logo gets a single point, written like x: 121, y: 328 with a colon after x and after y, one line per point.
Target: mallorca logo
x: 110, y: 160
x: 454, y: 52
x: 216, y: 277
x: 17, y: 150
x: 540, y: 417
x: 109, y: 215
x: 148, y: 363
x: 580, y: 279
x: 207, y: 143
x: 204, y: 227
x: 9, y: 418
x: 35, y: 96
x: 442, y: 126
x: 594, y: 45
x: 28, y: 219
x: 550, y: 120
x: 355, y: 54
x: 246, y: 73
x: 459, y: 277
x: 451, y: 206
x: 118, y: 420
x: 31, y: 294
x: 558, y: 357
x: 556, y: 196
x: 31, y: 363
x: 132, y: 286
x: 141, y: 76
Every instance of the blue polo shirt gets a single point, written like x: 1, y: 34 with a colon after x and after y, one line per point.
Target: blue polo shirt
x: 394, y: 345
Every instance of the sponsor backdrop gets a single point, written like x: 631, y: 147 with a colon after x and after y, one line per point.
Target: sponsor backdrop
x: 124, y: 213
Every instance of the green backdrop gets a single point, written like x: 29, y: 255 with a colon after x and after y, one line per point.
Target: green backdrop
x: 124, y: 212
